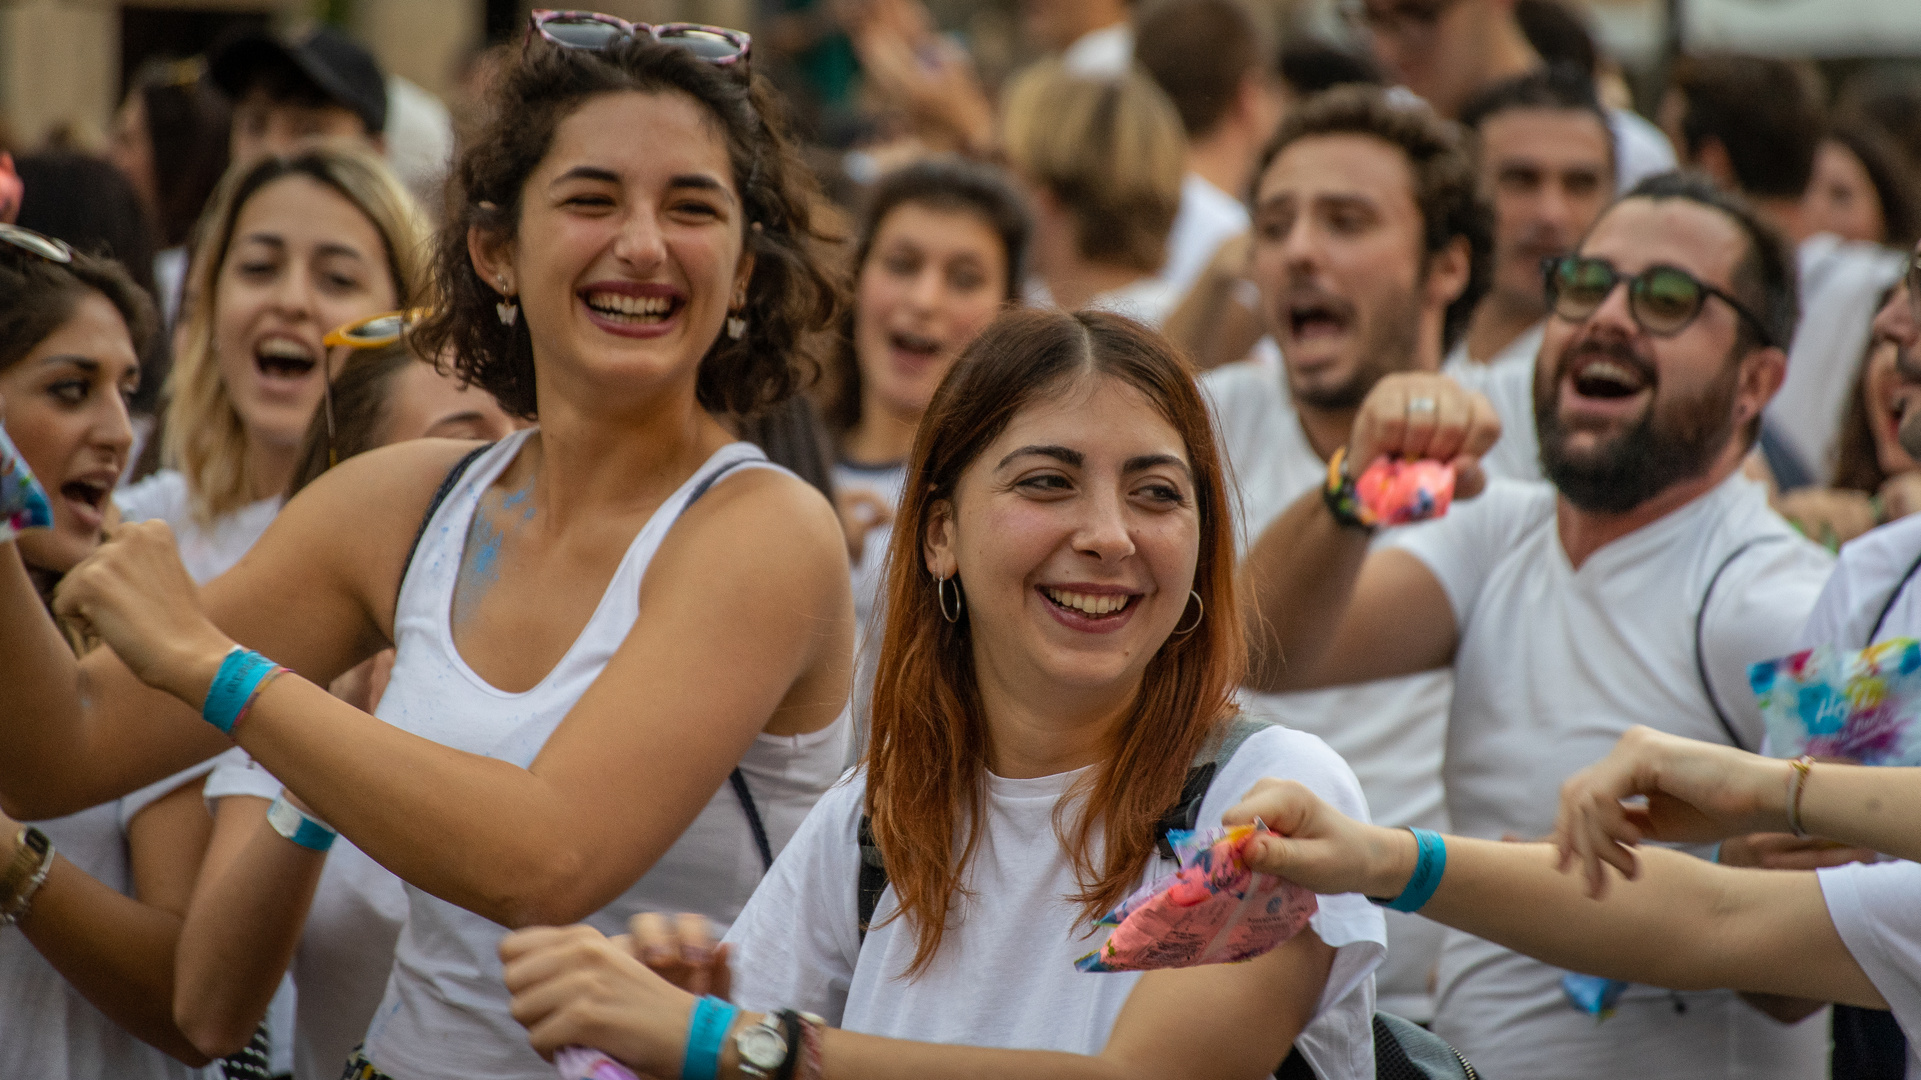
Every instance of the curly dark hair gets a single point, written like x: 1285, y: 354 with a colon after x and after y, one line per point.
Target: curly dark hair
x: 41, y: 296
x: 1437, y: 154
x: 791, y: 294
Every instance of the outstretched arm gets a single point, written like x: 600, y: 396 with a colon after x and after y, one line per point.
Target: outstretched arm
x: 1681, y: 923
x: 1322, y: 611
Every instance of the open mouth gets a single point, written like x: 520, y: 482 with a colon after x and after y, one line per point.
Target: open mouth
x: 915, y: 345
x: 633, y: 310
x: 1089, y: 605
x: 1308, y: 319
x: 284, y: 358
x: 1609, y: 377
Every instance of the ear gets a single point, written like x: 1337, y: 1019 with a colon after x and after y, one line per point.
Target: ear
x: 937, y: 547
x: 1762, y: 372
x: 1447, y: 272
x: 743, y: 273
x: 493, y: 260
x: 1712, y: 158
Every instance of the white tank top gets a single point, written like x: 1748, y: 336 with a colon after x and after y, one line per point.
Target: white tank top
x: 445, y: 1014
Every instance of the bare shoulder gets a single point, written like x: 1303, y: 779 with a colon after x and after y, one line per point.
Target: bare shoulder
x: 759, y: 521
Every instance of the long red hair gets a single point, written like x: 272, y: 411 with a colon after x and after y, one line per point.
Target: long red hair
x: 927, y: 757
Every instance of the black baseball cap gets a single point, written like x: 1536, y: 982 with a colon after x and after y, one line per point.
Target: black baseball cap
x: 338, y: 66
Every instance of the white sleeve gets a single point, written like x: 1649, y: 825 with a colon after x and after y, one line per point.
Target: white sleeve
x: 1756, y: 613
x: 1871, y: 569
x: 237, y: 773
x: 1349, y: 922
x: 1874, y: 910
x: 1462, y: 547
x: 132, y: 804
x: 795, y: 943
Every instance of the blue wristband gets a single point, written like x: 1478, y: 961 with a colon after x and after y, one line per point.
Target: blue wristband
x: 233, y: 686
x: 1430, y: 862
x: 299, y: 826
x: 705, y: 1034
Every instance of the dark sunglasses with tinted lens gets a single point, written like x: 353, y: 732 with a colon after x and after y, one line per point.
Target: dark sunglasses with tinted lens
x: 46, y: 247
x: 1663, y: 299
x: 592, y: 30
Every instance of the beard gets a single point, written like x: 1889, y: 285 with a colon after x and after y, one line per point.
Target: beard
x: 1387, y: 344
x: 1674, y: 440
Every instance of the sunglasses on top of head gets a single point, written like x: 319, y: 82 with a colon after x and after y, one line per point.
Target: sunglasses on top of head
x: 592, y: 30
x: 35, y: 243
x: 1664, y: 300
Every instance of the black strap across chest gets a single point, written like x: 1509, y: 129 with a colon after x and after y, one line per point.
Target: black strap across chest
x: 1700, y: 627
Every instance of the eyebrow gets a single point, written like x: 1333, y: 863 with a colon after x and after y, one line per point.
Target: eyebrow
x: 1075, y: 459
x: 85, y: 363
x: 608, y: 176
x: 1149, y: 461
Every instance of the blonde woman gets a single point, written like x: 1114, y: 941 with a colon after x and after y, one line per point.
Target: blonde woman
x: 289, y: 249
x: 1102, y: 161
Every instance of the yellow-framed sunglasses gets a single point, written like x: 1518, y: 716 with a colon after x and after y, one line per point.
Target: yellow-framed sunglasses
x: 372, y: 332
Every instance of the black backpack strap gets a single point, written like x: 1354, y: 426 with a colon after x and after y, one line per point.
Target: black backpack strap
x: 445, y: 489
x: 1295, y: 1067
x: 1700, y: 648
x: 873, y: 875
x: 1186, y: 813
x: 746, y: 797
x: 1882, y: 618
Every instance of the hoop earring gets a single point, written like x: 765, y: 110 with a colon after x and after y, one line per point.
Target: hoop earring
x: 940, y: 596
x: 1197, y: 618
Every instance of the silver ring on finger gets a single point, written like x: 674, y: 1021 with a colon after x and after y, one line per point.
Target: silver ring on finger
x: 1421, y: 406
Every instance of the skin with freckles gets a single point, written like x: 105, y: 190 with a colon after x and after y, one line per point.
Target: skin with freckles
x: 303, y: 261
x: 65, y: 406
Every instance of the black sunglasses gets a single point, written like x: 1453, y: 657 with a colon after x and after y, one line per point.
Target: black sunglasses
x: 592, y: 30
x: 1664, y: 300
x: 46, y: 247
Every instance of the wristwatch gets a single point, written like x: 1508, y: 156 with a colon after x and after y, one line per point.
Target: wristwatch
x: 763, y: 1047
x: 32, y: 859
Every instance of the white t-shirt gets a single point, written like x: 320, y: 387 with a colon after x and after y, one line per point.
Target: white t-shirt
x: 870, y: 573
x: 47, y: 1029
x: 1104, y: 53
x: 1005, y: 974
x: 1148, y: 300
x: 1508, y: 382
x: 1208, y: 218
x: 207, y: 550
x: 1554, y: 664
x: 1874, y: 910
x: 347, y: 947
x: 1871, y: 569
x: 1390, y: 731
x: 1640, y: 149
x: 1841, y: 287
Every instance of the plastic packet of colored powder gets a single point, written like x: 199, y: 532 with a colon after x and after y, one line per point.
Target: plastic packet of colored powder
x: 1396, y: 491
x: 1860, y: 705
x: 23, y: 502
x: 1213, y: 910
x: 580, y: 1063
x: 1593, y: 994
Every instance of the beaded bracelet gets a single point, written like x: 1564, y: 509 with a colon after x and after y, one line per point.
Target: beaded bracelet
x: 1342, y: 500
x: 1430, y: 862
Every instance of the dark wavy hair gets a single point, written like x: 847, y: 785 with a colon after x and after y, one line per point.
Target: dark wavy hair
x: 41, y: 295
x: 790, y: 295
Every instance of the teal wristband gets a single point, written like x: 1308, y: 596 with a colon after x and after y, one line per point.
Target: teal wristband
x: 1430, y: 862
x: 234, y: 685
x: 299, y: 826
x: 705, y: 1034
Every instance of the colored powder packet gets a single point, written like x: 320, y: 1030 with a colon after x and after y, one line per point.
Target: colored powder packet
x: 23, y: 502
x: 1394, y: 491
x: 1214, y: 910
x: 1593, y: 994
x: 1860, y: 705
x: 580, y: 1063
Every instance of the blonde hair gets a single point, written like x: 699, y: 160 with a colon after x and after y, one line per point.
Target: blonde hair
x: 204, y: 436
x: 1110, y: 149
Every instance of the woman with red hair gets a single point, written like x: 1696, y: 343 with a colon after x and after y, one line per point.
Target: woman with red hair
x: 1062, y: 643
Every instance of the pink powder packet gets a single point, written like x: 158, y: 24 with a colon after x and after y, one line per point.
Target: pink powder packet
x: 580, y: 1063
x: 1214, y: 910
x: 1398, y: 492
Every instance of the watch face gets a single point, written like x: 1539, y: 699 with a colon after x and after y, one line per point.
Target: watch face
x: 761, y: 1046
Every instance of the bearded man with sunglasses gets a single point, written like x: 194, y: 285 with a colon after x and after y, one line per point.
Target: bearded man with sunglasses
x: 1635, y: 589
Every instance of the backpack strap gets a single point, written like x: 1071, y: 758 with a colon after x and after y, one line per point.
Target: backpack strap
x: 1700, y: 626
x: 445, y: 489
x: 1183, y: 815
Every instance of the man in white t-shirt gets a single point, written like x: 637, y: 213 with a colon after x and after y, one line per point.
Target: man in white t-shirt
x: 1211, y: 58
x: 1754, y: 125
x: 1636, y: 589
x: 1448, y: 50
x: 1093, y: 37
x: 1366, y: 230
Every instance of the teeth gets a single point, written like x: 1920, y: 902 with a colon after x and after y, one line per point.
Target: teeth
x: 1088, y: 603
x: 617, y: 304
x: 282, y: 349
